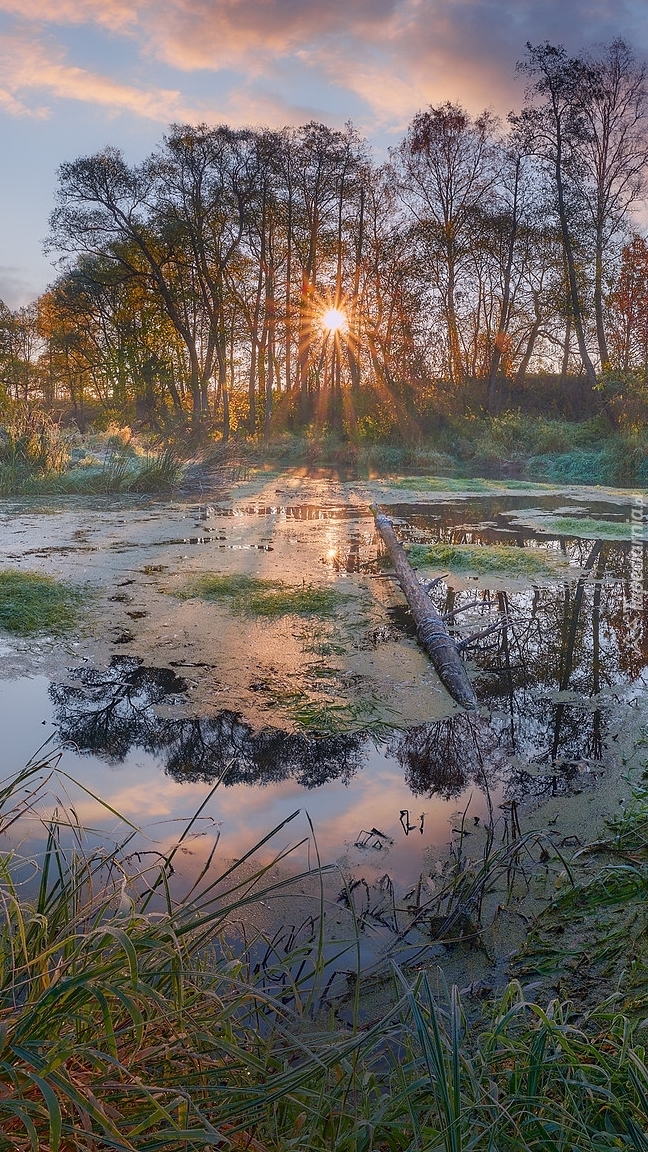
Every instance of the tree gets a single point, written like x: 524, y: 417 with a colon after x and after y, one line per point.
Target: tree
x: 629, y: 309
x: 552, y: 127
x: 612, y: 99
x: 204, y: 182
x: 447, y: 166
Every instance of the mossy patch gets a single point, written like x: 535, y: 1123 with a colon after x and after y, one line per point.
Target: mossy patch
x: 455, y: 484
x: 249, y: 596
x: 593, y: 529
x: 503, y: 558
x: 32, y: 603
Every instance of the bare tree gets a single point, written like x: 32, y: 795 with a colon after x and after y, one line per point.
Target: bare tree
x: 447, y: 166
x: 613, y: 101
x: 552, y: 127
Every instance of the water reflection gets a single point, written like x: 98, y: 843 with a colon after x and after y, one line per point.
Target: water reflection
x: 494, y: 518
x: 547, y: 682
x: 444, y: 757
x: 581, y: 640
x: 108, y: 712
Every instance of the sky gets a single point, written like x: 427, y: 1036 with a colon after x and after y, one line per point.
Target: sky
x: 77, y: 75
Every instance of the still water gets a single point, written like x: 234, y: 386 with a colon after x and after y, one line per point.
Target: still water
x: 159, y: 696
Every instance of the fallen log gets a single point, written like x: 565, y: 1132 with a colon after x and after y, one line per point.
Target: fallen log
x: 431, y: 630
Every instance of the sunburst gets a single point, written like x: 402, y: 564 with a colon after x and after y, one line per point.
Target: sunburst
x: 334, y: 320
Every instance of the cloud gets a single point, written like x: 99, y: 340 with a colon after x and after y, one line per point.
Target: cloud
x: 249, y: 33
x: 111, y: 14
x: 26, y: 66
x: 393, y: 55
x: 9, y: 103
x: 275, y: 58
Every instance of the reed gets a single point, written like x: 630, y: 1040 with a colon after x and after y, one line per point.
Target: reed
x: 130, y: 1019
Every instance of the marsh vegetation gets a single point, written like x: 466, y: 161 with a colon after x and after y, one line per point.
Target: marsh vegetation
x: 137, y: 1020
x: 251, y: 596
x: 32, y: 603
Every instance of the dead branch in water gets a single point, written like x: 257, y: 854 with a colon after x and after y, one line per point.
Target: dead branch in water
x: 432, y: 632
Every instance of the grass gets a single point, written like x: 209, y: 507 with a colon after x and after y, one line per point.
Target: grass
x: 270, y: 599
x: 131, y: 1021
x: 589, y: 528
x: 514, y: 449
x: 38, y: 457
x: 118, y: 473
x: 592, y: 935
x: 469, y: 484
x: 461, y: 453
x: 501, y: 558
x: 32, y: 603
x: 367, y: 717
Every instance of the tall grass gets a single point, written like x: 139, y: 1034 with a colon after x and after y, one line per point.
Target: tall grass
x: 514, y: 446
x: 131, y: 1019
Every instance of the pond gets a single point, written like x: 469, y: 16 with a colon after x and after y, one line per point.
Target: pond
x: 258, y: 639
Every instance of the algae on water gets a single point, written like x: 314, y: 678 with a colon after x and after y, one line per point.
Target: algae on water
x: 250, y: 596
x: 506, y: 559
x: 30, y: 602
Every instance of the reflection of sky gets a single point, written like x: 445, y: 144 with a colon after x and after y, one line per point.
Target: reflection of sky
x: 573, y: 656
x: 140, y: 791
x: 78, y: 74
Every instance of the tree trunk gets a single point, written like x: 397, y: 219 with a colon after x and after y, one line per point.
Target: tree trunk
x: 564, y: 368
x: 528, y: 352
x: 288, y: 317
x: 270, y: 314
x: 598, y: 301
x: 506, y: 300
x: 577, y: 314
x: 254, y: 354
x: 432, y: 633
x: 454, y: 343
x: 352, y: 344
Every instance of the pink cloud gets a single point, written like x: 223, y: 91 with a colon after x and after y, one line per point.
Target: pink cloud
x: 392, y: 56
x: 27, y: 66
x: 112, y: 14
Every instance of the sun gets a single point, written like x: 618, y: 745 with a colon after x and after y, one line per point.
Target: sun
x: 334, y: 320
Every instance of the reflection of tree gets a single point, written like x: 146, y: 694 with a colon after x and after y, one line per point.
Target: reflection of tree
x: 573, y: 636
x: 445, y: 756
x: 202, y: 747
x: 102, y: 709
x: 108, y: 712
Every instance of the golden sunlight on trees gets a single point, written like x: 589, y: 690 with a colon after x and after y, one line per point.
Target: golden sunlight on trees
x: 245, y: 280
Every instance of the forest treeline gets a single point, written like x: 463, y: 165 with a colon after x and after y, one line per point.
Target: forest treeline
x: 251, y: 278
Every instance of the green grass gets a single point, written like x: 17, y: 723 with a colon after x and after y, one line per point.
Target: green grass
x: 530, y: 447
x: 369, y: 717
x: 501, y: 558
x: 32, y: 603
x: 470, y: 484
x: 589, y: 528
x: 250, y: 596
x: 132, y: 1020
x: 120, y: 472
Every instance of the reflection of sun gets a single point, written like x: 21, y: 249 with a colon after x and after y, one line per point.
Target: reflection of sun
x: 334, y: 320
